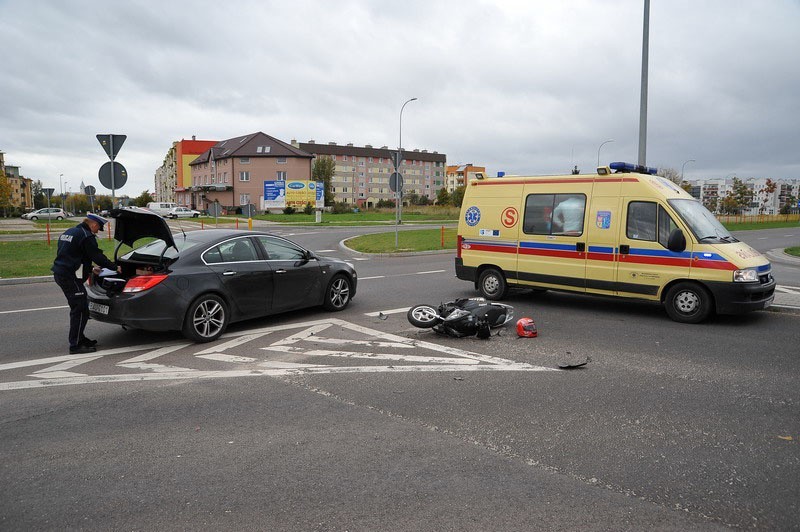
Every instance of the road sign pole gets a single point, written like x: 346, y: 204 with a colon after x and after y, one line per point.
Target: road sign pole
x: 111, y: 141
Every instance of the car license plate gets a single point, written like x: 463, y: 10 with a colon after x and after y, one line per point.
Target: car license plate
x: 97, y: 307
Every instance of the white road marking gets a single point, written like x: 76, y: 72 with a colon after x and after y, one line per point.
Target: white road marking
x: 227, y: 358
x: 787, y: 289
x: 373, y: 277
x: 359, y: 258
x: 326, y: 250
x: 31, y: 309
x: 309, y: 333
x: 431, y: 271
x: 391, y: 311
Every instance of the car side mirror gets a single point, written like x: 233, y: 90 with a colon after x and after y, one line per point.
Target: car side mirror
x: 676, y: 241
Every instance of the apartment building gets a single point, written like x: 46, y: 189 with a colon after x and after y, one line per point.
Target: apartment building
x: 21, y: 194
x: 460, y: 175
x: 233, y: 171
x: 173, y: 179
x: 362, y: 173
x: 711, y: 192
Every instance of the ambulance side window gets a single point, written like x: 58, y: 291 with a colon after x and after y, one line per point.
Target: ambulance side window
x: 649, y: 221
x: 568, y: 214
x: 538, y: 218
x: 665, y: 226
x: 641, y: 220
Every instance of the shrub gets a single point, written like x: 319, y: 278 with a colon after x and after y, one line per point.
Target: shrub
x: 289, y: 210
x: 308, y: 209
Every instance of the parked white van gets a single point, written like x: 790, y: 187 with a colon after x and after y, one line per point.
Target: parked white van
x: 161, y: 207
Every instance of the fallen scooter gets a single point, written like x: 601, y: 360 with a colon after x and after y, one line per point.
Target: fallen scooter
x: 462, y: 317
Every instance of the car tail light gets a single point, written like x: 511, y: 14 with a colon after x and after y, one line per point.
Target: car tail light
x: 142, y: 283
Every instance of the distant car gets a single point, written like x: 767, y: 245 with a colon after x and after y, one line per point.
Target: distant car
x: 46, y: 214
x: 182, y: 212
x: 201, y: 281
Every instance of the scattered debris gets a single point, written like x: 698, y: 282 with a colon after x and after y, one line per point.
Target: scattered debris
x: 382, y: 316
x: 567, y: 365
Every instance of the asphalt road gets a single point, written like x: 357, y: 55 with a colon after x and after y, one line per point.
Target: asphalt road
x: 346, y: 421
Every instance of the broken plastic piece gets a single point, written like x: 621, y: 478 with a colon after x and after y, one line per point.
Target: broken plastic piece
x: 566, y: 365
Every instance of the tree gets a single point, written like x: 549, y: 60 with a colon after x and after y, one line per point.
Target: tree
x: 769, y: 189
x: 5, y: 193
x: 323, y: 170
x: 742, y: 195
x: 38, y: 197
x: 144, y: 198
x: 457, y: 197
x: 789, y: 204
x: 442, y: 197
x: 671, y: 174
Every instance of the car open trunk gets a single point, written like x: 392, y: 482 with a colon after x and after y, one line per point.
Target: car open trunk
x: 133, y: 224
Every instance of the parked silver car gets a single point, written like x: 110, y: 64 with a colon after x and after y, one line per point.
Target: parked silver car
x: 48, y: 213
x: 182, y: 212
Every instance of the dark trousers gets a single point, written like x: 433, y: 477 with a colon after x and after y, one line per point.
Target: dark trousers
x: 75, y: 293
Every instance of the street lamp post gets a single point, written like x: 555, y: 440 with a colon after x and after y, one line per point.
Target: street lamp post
x: 684, y: 166
x: 399, y: 191
x: 61, y: 182
x: 598, y: 150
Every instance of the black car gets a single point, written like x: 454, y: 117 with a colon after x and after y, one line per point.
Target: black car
x: 199, y: 282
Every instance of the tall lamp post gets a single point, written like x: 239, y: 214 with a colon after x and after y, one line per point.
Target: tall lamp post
x: 61, y: 182
x: 598, y: 150
x: 684, y: 166
x: 399, y: 192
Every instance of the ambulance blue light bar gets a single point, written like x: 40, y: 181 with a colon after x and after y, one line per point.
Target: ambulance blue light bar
x: 630, y: 167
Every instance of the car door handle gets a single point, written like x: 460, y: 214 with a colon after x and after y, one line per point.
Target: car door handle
x: 229, y: 273
x: 280, y: 271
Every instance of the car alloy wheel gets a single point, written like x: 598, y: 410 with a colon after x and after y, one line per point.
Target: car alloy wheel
x: 206, y: 319
x: 338, y: 294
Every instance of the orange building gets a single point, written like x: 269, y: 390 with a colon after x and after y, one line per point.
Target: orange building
x: 173, y: 180
x: 460, y: 175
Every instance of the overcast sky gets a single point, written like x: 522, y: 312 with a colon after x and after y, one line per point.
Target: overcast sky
x: 525, y: 87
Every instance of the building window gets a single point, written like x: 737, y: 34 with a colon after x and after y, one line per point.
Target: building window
x: 280, y: 176
x: 344, y: 157
x: 281, y: 160
x: 244, y: 176
x: 244, y: 160
x: 244, y: 199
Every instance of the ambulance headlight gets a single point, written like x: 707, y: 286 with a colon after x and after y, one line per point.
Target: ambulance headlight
x: 745, y: 276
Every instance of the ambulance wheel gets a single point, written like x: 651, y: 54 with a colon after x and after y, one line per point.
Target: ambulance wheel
x: 688, y: 303
x: 492, y: 284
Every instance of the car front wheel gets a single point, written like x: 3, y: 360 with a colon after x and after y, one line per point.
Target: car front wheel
x: 34, y: 218
x: 688, y: 303
x: 206, y: 319
x: 337, y: 295
x: 59, y: 217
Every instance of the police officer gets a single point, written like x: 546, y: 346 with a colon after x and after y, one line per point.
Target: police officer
x: 78, y: 247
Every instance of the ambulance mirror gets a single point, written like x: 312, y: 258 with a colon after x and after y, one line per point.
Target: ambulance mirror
x: 676, y: 242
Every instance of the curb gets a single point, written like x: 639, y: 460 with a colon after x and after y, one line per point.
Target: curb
x: 781, y: 256
x: 26, y: 280
x: 344, y: 247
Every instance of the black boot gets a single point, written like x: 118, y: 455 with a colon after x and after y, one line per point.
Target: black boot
x: 81, y: 349
x: 87, y: 342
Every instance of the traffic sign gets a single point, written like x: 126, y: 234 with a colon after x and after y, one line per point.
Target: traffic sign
x: 111, y: 144
x: 396, y: 182
x: 249, y: 210
x: 48, y: 191
x: 120, y: 175
x: 90, y: 190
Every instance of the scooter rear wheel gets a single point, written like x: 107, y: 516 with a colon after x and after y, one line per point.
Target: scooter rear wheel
x: 423, y: 316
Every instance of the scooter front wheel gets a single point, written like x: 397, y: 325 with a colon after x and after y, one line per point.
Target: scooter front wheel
x: 423, y: 316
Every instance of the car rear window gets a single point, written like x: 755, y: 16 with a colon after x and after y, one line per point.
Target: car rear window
x: 152, y: 250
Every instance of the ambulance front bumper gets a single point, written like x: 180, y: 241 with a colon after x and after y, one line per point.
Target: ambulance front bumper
x: 738, y: 298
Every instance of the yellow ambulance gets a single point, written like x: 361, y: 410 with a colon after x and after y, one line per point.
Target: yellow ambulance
x: 623, y: 231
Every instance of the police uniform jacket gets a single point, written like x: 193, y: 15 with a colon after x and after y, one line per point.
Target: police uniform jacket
x: 78, y: 246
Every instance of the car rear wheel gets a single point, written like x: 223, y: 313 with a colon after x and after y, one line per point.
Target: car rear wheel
x: 206, y: 319
x: 337, y: 296
x: 195, y: 215
x: 688, y: 303
x: 492, y: 284
x: 59, y: 217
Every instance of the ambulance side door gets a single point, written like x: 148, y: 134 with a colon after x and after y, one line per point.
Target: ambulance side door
x: 552, y: 242
x: 603, y: 231
x: 645, y: 265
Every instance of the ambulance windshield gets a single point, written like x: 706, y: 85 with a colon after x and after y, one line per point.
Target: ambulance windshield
x: 703, y: 224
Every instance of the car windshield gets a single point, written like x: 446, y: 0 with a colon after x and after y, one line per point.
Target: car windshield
x: 703, y: 224
x: 153, y: 249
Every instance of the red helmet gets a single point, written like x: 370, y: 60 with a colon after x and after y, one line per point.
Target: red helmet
x: 526, y: 328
